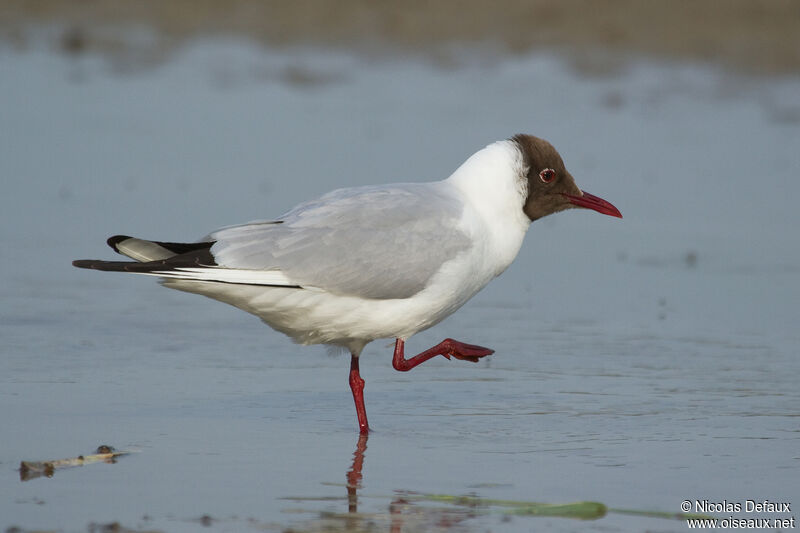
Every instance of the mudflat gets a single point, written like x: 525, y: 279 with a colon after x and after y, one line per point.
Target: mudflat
x: 756, y: 36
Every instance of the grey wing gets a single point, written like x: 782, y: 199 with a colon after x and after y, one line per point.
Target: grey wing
x: 372, y: 242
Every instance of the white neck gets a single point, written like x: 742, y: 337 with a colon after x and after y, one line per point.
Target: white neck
x: 493, y: 184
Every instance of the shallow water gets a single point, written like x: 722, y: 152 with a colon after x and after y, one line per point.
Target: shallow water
x: 639, y: 362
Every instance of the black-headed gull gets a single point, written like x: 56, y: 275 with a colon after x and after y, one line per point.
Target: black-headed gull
x: 374, y: 262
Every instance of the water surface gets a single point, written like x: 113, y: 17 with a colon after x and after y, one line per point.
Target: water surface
x: 639, y: 362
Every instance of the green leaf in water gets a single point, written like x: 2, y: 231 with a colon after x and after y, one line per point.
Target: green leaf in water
x: 578, y: 510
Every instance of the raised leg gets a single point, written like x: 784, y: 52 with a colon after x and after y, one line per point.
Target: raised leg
x: 447, y: 348
x: 357, y: 386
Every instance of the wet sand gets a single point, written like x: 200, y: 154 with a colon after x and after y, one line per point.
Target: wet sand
x: 756, y: 36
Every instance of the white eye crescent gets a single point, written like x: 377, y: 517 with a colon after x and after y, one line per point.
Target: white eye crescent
x: 547, y: 175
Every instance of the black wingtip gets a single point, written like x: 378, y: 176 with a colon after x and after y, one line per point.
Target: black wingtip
x: 85, y: 263
x: 115, y: 240
x: 117, y: 266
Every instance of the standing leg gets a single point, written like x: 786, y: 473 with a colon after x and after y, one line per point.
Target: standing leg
x: 357, y: 386
x: 447, y: 348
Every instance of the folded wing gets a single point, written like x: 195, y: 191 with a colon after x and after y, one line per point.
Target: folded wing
x: 351, y: 241
x: 348, y: 242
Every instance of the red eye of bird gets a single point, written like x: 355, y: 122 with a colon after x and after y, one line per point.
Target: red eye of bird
x: 547, y: 175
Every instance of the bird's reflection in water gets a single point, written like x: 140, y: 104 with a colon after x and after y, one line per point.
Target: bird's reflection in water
x: 354, y: 474
x: 404, y: 515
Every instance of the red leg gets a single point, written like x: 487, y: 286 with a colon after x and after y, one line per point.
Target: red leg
x: 357, y: 386
x: 447, y: 348
x: 354, y: 474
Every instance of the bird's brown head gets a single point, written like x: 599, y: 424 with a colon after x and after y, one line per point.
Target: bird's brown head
x: 550, y: 186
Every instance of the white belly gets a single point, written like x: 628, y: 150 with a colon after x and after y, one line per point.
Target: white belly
x: 312, y: 316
